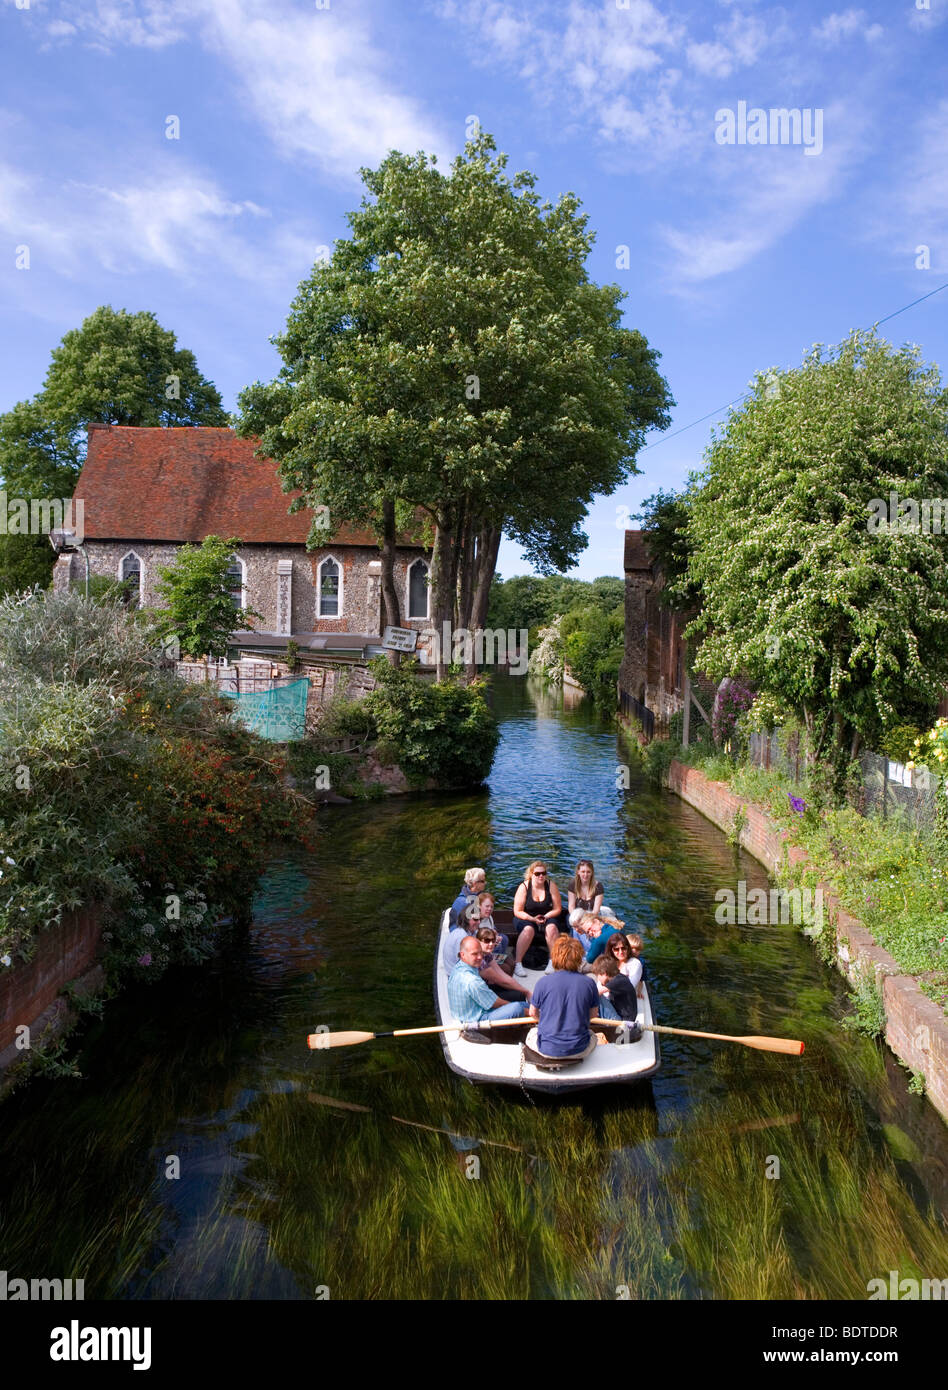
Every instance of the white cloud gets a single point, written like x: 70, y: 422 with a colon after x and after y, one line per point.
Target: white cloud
x: 845, y: 25
x: 711, y: 59
x: 761, y: 193
x: 181, y: 223
x: 108, y: 24
x: 911, y: 209
x: 314, y: 79
x: 317, y: 83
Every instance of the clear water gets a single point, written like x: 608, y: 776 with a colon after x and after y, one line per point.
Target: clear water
x: 732, y: 1174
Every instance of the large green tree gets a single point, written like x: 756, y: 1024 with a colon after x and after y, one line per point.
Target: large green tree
x: 846, y: 622
x: 117, y: 368
x: 125, y: 369
x: 453, y: 356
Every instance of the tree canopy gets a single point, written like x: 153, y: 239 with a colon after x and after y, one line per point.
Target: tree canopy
x: 125, y: 369
x: 846, y: 623
x: 117, y: 368
x: 454, y: 356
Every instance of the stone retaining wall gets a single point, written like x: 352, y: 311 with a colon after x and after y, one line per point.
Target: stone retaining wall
x: 916, y: 1028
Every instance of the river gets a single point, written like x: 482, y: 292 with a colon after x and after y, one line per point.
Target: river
x: 207, y: 1153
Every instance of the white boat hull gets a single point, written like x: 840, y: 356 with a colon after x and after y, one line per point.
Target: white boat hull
x: 501, y: 1062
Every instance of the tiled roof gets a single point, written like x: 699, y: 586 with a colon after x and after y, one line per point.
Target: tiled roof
x: 188, y: 482
x: 636, y: 551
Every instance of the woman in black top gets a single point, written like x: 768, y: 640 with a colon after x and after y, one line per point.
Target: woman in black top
x: 538, y: 901
x: 584, y: 890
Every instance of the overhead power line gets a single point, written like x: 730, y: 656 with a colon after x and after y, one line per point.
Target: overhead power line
x: 665, y: 438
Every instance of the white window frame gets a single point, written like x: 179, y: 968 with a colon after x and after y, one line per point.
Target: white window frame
x: 141, y: 573
x: 320, y: 615
x: 243, y: 580
x: 427, y: 613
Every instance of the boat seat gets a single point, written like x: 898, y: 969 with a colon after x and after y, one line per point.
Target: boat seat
x: 545, y: 1063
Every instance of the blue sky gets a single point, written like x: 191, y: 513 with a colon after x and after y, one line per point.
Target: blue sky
x: 741, y: 255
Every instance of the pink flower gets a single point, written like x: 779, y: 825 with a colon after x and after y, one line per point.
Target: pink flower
x: 145, y: 959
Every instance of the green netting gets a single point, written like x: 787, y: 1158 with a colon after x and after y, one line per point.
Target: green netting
x: 279, y: 714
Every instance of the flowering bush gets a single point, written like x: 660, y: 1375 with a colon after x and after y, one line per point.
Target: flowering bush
x: 765, y: 714
x: 547, y: 654
x: 931, y: 748
x: 123, y: 786
x: 733, y: 698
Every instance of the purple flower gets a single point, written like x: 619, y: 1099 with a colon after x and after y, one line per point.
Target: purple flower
x: 145, y: 959
x: 796, y: 804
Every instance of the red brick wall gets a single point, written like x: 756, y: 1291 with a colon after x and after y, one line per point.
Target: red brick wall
x: 28, y: 988
x: 916, y: 1028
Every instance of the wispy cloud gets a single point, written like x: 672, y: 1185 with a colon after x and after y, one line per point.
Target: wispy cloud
x: 111, y: 24
x: 845, y: 25
x: 177, y: 222
x: 911, y: 209
x: 762, y: 194
x: 317, y: 83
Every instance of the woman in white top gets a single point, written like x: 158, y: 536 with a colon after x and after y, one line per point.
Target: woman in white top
x: 625, y: 951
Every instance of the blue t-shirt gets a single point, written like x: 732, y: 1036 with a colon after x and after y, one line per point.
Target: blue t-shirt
x: 597, y: 947
x: 564, y: 1000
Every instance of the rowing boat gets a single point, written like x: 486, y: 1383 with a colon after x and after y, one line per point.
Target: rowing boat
x: 503, y: 1062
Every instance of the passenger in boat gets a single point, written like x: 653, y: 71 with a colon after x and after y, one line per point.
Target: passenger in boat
x: 564, y: 1003
x: 625, y: 951
x: 475, y: 881
x: 538, y: 903
x: 492, y: 970
x: 523, y: 939
x: 617, y: 997
x: 598, y: 929
x: 584, y: 890
x: 470, y: 998
x: 468, y: 924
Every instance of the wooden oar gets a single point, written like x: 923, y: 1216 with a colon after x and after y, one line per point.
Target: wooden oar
x: 792, y: 1046
x: 324, y: 1040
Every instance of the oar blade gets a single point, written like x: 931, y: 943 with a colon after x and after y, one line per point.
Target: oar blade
x: 318, y: 1041
x: 791, y: 1046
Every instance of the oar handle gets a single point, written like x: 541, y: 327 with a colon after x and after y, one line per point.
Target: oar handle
x: 318, y: 1041
x: 793, y: 1047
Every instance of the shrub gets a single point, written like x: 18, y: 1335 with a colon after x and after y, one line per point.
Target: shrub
x: 123, y: 786
x: 441, y: 730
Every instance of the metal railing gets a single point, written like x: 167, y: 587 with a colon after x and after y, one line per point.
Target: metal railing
x: 634, y: 709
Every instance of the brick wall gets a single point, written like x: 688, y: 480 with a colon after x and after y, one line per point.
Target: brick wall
x: 916, y: 1028
x: 27, y: 989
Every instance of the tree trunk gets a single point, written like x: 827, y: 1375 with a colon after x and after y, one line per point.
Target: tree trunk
x: 466, y: 562
x: 488, y: 544
x: 391, y: 615
x: 441, y: 579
